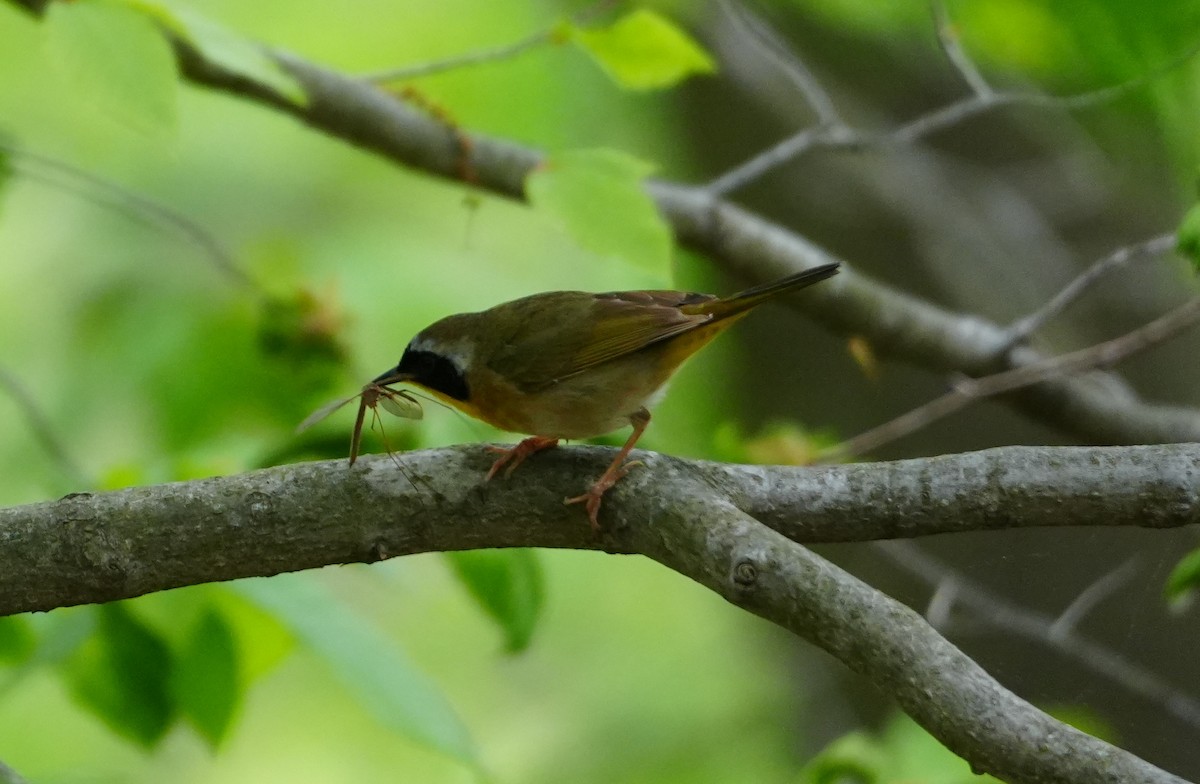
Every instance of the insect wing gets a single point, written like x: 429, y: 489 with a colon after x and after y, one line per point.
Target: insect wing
x: 323, y: 412
x: 401, y: 405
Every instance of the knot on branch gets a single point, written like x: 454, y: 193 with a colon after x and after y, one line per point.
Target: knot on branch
x: 258, y: 505
x: 744, y: 576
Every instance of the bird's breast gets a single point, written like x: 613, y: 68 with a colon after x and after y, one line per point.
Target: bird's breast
x: 596, y: 401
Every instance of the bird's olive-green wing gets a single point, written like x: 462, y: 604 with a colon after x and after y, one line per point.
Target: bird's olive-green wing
x: 555, y: 336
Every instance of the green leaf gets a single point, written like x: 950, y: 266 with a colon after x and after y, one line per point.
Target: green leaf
x: 264, y: 641
x: 378, y: 673
x: 224, y: 47
x: 1085, y: 720
x: 122, y: 674
x: 599, y: 198
x: 508, y: 586
x: 6, y: 169
x: 851, y: 759
x: 1184, y: 578
x: 17, y: 641
x: 644, y: 51
x: 117, y: 59
x: 206, y: 682
x: 1188, y: 242
x: 63, y: 632
x: 901, y: 754
x: 915, y: 755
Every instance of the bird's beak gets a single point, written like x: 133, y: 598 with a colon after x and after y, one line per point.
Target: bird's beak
x: 393, y: 376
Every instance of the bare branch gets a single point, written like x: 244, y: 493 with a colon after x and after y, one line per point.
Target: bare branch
x: 971, y: 390
x: 1000, y: 613
x: 43, y: 430
x: 818, y: 136
x: 841, y: 137
x: 54, y: 554
x: 106, y: 193
x: 695, y: 518
x: 491, y: 55
x: 10, y: 776
x: 784, y: 58
x: 1023, y: 328
x: 948, y: 38
x: 1091, y: 596
x: 939, y: 686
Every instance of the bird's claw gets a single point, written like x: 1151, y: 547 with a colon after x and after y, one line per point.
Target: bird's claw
x: 595, y: 494
x: 515, y: 455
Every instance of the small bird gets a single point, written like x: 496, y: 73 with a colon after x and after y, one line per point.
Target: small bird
x: 569, y: 364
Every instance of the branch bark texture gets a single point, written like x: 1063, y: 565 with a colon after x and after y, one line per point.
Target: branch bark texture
x: 733, y: 529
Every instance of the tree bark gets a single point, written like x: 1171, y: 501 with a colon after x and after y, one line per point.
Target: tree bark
x: 730, y: 528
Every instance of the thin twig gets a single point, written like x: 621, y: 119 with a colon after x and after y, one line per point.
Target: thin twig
x: 42, y: 429
x: 1039, y: 627
x: 1091, y: 596
x: 489, y: 55
x: 98, y: 190
x: 948, y: 38
x: 817, y: 137
x: 1022, y: 328
x: 841, y: 137
x: 970, y: 390
x: 10, y: 776
x: 941, y: 604
x: 786, y: 59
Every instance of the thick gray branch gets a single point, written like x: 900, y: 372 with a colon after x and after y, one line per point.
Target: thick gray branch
x: 937, y: 684
x: 700, y: 519
x: 99, y: 547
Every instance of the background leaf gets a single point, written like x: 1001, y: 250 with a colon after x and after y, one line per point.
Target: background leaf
x: 6, y: 170
x: 206, y: 683
x: 1184, y: 578
x: 17, y: 641
x: 117, y: 59
x: 902, y: 753
x: 122, y: 675
x: 1188, y: 242
x: 644, y: 50
x: 508, y: 585
x: 599, y: 197
x: 379, y: 674
x: 224, y: 47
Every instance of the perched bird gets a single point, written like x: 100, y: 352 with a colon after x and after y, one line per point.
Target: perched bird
x: 568, y: 364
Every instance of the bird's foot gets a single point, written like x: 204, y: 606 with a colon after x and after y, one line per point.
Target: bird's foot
x: 514, y: 456
x: 595, y: 493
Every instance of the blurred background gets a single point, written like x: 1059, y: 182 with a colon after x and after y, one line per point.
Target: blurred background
x: 149, y: 361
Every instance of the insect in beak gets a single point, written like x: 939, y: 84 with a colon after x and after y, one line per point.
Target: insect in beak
x: 375, y: 394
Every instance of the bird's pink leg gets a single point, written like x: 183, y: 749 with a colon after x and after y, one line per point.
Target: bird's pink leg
x: 514, y: 456
x: 616, y: 470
